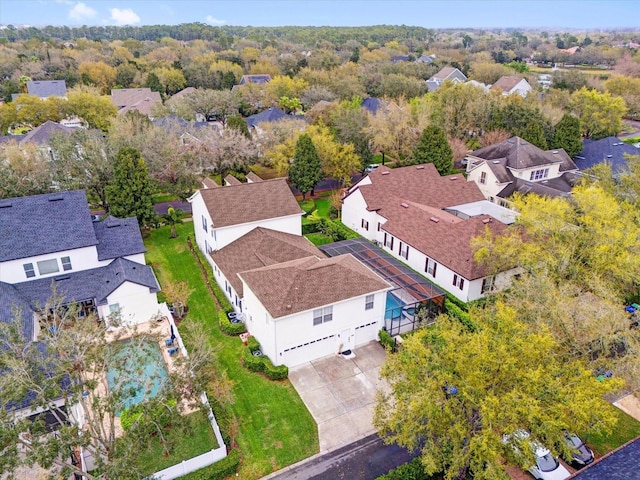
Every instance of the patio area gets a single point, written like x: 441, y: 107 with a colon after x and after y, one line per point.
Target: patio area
x: 340, y: 393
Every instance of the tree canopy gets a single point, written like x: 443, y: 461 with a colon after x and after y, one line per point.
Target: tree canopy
x: 306, y: 170
x: 433, y: 147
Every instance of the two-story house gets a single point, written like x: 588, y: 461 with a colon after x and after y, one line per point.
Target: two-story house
x: 428, y: 221
x: 516, y: 165
x: 49, y: 244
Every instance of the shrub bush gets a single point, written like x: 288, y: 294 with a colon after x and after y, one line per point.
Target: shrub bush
x: 129, y: 416
x: 336, y: 230
x: 251, y: 361
x: 253, y: 344
x: 279, y: 372
x: 386, y: 340
x: 312, y: 227
x: 229, y: 328
x: 455, y: 311
x: 219, y: 470
x: 409, y: 471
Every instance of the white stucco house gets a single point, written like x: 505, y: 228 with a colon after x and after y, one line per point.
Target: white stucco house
x: 516, y: 165
x: 50, y: 241
x: 427, y: 221
x: 222, y: 215
x: 510, y: 84
x: 314, y: 306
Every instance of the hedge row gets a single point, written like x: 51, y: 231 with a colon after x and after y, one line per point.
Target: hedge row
x: 336, y: 230
x: 231, y: 329
x: 386, y: 340
x: 463, y: 316
x: 261, y: 363
x: 409, y: 471
x: 219, y: 470
x: 217, y: 291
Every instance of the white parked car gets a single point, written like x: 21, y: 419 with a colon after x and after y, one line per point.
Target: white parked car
x: 371, y: 168
x: 547, y: 467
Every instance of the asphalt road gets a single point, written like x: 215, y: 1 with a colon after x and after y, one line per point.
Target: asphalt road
x: 365, y: 459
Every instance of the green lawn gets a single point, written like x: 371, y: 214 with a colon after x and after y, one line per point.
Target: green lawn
x: 319, y: 239
x: 164, y: 197
x: 275, y: 428
x: 322, y: 207
x: 627, y: 429
x: 201, y: 439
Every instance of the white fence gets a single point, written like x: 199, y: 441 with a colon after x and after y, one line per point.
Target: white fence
x: 207, y: 458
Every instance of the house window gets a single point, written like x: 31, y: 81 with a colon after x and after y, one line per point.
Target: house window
x: 66, y: 263
x: 379, y: 226
x: 48, y: 266
x: 364, y: 224
x: 539, y: 174
x: 322, y: 315
x: 488, y: 284
x: 404, y: 250
x: 28, y: 270
x: 483, y: 177
x: 458, y: 281
x: 204, y: 223
x: 388, y: 241
x: 114, y: 309
x: 368, y: 302
x: 430, y: 267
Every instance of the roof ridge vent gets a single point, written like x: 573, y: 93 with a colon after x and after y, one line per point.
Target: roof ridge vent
x: 555, y: 152
x: 434, y: 219
x: 386, y: 172
x: 487, y: 220
x: 6, y: 204
x: 496, y: 161
x: 453, y: 178
x: 405, y: 205
x: 56, y: 199
x: 420, y: 167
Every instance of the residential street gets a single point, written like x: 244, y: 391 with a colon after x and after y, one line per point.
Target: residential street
x: 365, y: 459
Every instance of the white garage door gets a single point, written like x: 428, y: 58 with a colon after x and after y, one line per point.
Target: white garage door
x: 367, y: 332
x: 308, y: 351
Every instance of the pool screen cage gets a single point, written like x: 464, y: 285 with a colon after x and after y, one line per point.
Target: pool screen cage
x: 416, y: 301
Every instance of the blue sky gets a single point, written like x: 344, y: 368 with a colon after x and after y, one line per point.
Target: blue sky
x: 425, y: 13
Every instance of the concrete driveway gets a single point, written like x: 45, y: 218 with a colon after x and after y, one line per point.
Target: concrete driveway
x: 340, y: 393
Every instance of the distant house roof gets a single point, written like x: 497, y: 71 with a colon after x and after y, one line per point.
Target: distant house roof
x: 42, y: 135
x: 47, y: 88
x: 620, y: 464
x: 253, y: 178
x: 371, y: 104
x: 182, y: 93
x: 259, y: 248
x: 42, y: 224
x: 610, y: 150
x: 447, y: 73
x: 272, y: 114
x: 311, y: 282
x: 571, y: 50
x: 171, y: 121
x: 11, y: 138
x: 255, y: 79
x: 477, y: 84
x: 93, y: 284
x: 231, y: 180
x: 250, y: 202
x: 139, y: 99
x: 426, y: 59
x: 507, y: 83
x: 400, y: 58
x: 118, y: 237
x: 208, y: 183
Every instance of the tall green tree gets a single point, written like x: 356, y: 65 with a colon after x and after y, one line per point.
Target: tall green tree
x: 567, y: 135
x: 600, y: 114
x: 130, y: 191
x: 455, y: 393
x: 173, y: 217
x: 433, y: 147
x: 306, y: 170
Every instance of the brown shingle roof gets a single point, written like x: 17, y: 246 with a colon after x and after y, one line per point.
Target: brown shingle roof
x: 444, y: 73
x: 506, y: 83
x: 311, y: 282
x: 420, y: 184
x: 138, y: 97
x: 231, y: 180
x: 250, y: 202
x: 259, y: 248
x: 252, y: 177
x: 208, y: 183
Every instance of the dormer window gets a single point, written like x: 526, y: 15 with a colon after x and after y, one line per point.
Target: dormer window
x: 66, y: 263
x: 29, y: 270
x: 539, y: 174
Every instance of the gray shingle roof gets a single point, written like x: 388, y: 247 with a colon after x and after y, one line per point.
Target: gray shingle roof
x: 371, y: 104
x: 621, y: 464
x: 259, y: 79
x: 521, y: 154
x: 118, y: 237
x: 610, y: 150
x: 42, y: 135
x: 42, y: 224
x: 47, y: 88
x: 95, y: 284
x: 12, y: 304
x: 269, y: 115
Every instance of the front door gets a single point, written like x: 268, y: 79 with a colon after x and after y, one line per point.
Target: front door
x: 345, y: 340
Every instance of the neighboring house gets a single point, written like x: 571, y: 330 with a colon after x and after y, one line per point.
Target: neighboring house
x: 451, y: 74
x: 426, y: 59
x: 222, y: 215
x: 259, y: 79
x: 545, y: 80
x: 141, y: 100
x: 310, y: 307
x: 253, y: 178
x: 516, y: 165
x: 571, y: 50
x: 45, y: 89
x: 272, y: 114
x: 41, y: 135
x: 620, y: 464
x: 510, y: 84
x: 50, y: 241
x: 427, y: 221
x: 477, y: 84
x: 400, y: 58
x: 610, y: 150
x: 371, y: 104
x: 231, y: 180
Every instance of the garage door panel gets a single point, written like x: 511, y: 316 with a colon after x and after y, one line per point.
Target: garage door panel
x: 366, y: 333
x: 308, y: 351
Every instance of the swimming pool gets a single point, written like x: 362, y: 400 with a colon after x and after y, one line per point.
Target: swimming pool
x: 394, y: 307
x: 138, y: 373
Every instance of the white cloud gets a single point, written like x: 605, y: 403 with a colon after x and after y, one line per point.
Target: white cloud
x: 81, y: 12
x: 125, y: 16
x: 211, y: 20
